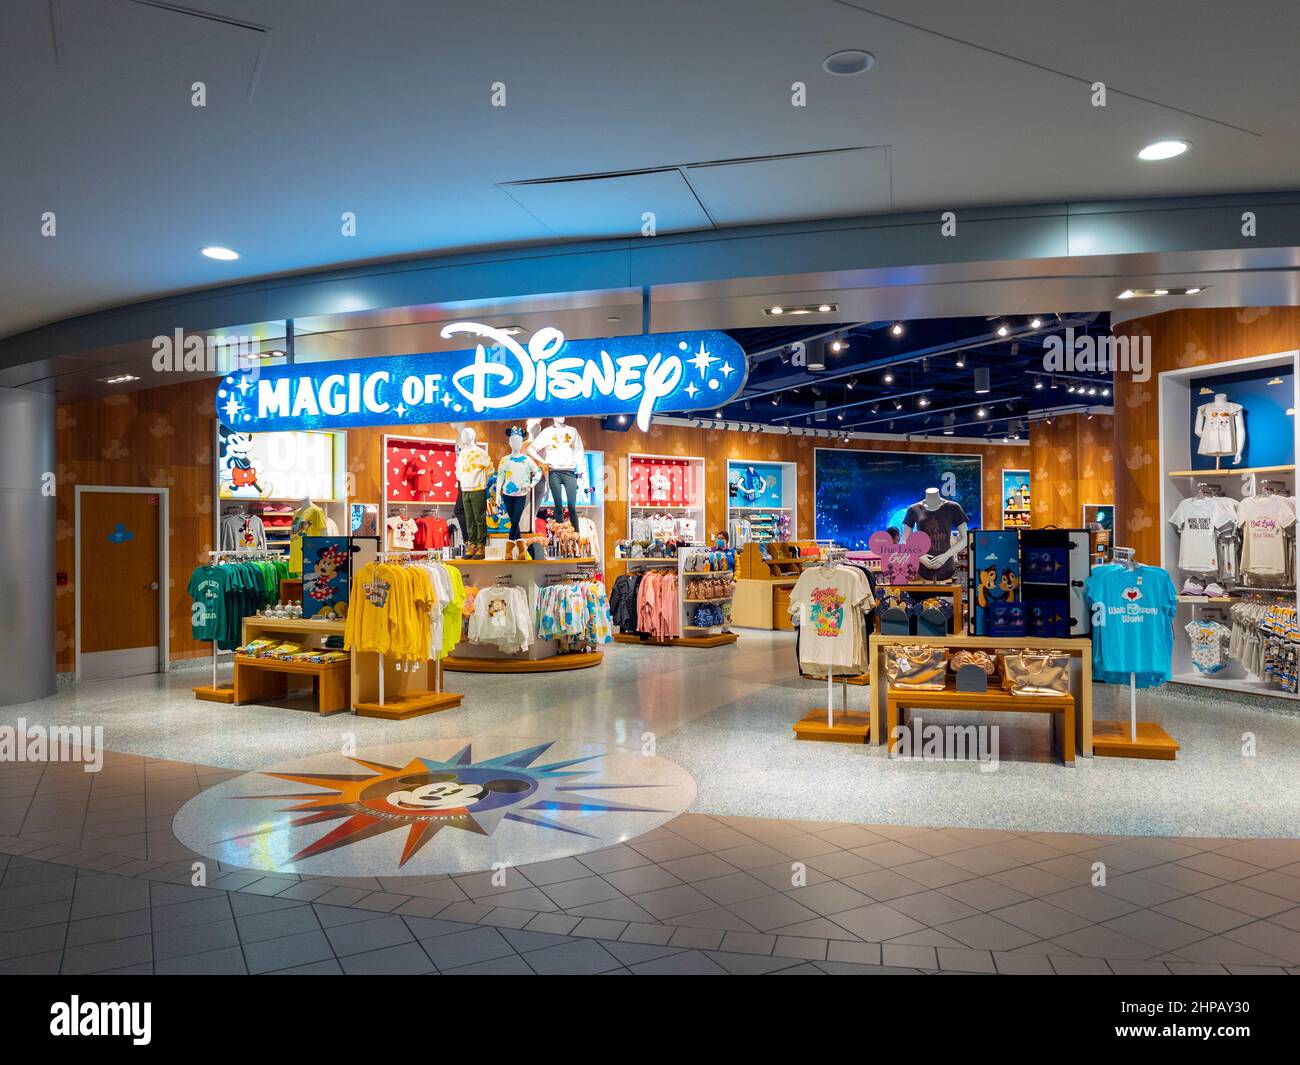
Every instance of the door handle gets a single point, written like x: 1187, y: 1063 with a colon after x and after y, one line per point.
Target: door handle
x: 152, y: 586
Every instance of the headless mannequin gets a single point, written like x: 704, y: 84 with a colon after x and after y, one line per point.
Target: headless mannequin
x: 936, y: 560
x: 514, y: 502
x: 474, y: 500
x: 558, y: 449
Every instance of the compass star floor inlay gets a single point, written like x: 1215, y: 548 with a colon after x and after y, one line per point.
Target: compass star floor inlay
x: 434, y: 806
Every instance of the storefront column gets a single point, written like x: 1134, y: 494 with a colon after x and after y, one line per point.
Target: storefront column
x: 27, y: 510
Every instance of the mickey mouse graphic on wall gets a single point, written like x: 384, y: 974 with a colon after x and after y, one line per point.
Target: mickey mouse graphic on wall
x: 237, y: 472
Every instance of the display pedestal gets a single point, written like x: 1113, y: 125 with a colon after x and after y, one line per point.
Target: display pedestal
x: 410, y: 704
x: 1112, y: 739
x: 848, y: 726
x: 208, y: 693
x: 554, y: 664
x: 716, y: 639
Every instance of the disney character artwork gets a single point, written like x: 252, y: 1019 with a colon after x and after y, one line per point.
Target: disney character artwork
x: 237, y: 472
x: 325, y: 584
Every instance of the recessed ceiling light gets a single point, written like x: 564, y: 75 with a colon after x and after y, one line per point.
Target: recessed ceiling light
x: 622, y: 419
x: 1148, y: 293
x: 888, y: 378
x: 839, y: 344
x: 981, y: 413
x: 216, y: 251
x: 775, y: 310
x: 1163, y: 150
x: 1035, y: 323
x: 1193, y: 291
x: 1105, y: 391
x: 824, y: 308
x: 1003, y: 330
x: 924, y: 401
x: 1127, y: 294
x: 848, y: 62
x: 897, y: 329
x: 613, y: 318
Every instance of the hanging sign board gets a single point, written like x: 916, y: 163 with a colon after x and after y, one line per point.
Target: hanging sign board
x: 499, y: 378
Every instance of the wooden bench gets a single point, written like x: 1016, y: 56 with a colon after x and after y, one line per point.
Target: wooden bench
x: 897, y: 699
x: 260, y: 680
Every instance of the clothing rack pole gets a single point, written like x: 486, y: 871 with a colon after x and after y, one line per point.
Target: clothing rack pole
x: 1132, y: 709
x: 830, y: 698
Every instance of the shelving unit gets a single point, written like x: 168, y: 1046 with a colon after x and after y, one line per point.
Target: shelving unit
x: 1016, y: 502
x: 688, y: 507
x: 692, y: 635
x: 1178, y: 397
x: 772, y: 512
x: 399, y: 497
x: 591, y: 495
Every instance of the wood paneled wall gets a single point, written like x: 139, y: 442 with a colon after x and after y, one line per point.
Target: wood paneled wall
x: 1179, y: 339
x: 164, y: 437
x: 1072, y: 463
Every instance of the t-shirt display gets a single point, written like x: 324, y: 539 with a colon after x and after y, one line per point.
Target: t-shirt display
x: 1198, y: 521
x: 1209, y: 653
x: 401, y: 533
x: 1132, y: 623
x: 938, y: 524
x: 829, y: 604
x: 1220, y: 428
x: 1264, y: 520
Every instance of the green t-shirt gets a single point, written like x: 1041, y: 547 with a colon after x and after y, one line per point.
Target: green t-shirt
x: 208, y: 590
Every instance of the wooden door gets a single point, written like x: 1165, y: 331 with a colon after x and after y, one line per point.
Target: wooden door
x: 120, y: 583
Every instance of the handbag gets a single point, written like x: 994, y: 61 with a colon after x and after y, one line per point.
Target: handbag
x: 981, y: 659
x: 916, y: 667
x: 1035, y: 672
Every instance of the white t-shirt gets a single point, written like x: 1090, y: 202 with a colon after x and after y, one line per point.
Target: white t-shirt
x: 401, y: 533
x: 828, y: 602
x: 559, y: 447
x: 1263, y: 521
x: 1197, y: 520
x: 1221, y: 428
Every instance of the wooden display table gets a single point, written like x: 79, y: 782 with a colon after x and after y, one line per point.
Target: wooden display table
x: 262, y: 680
x: 1080, y: 646
x: 1062, y: 706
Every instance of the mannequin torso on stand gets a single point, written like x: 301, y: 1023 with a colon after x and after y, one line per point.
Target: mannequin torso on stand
x: 938, y: 518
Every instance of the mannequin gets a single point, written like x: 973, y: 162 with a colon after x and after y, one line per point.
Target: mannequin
x: 472, y: 468
x: 558, y: 448
x: 1221, y: 429
x: 516, y: 475
x: 308, y: 520
x: 937, y: 518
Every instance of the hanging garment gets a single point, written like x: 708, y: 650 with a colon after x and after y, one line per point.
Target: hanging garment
x: 829, y: 605
x: 1132, y: 623
x: 1263, y: 521
x: 501, y: 618
x: 307, y: 521
x: 242, y: 532
x: 1199, y: 521
x: 1221, y: 429
x: 576, y: 613
x: 228, y: 591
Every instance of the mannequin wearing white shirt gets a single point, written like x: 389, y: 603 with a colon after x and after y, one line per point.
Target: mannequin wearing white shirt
x: 472, y: 467
x: 558, y: 448
x: 1221, y: 429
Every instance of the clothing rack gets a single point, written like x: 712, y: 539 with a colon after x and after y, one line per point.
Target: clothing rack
x: 398, y: 556
x: 241, y: 554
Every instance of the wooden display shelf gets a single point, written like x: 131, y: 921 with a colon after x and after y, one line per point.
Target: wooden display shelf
x: 553, y: 664
x: 222, y: 693
x: 1112, y: 739
x: 291, y: 589
x: 260, y: 680
x: 848, y: 726
x: 707, y: 572
x: 717, y: 639
x: 293, y: 625
x: 1231, y: 471
x: 897, y: 700
x: 415, y: 704
x: 1079, y: 645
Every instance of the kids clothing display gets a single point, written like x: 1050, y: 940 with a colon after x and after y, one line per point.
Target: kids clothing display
x: 1209, y: 649
x: 401, y: 532
x: 829, y: 605
x: 1132, y: 623
x: 1264, y: 520
x: 501, y: 618
x: 576, y: 613
x: 307, y: 521
x: 1199, y: 522
x: 1221, y: 428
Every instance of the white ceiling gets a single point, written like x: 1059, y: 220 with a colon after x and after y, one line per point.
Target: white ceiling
x: 317, y: 107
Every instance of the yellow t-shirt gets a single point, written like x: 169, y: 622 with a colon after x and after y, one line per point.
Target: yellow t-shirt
x: 307, y: 521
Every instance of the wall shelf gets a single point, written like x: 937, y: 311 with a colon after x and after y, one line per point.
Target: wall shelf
x: 1232, y: 471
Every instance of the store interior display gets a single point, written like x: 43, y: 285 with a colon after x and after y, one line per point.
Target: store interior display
x: 1221, y: 429
x: 516, y: 475
x: 1017, y: 509
x: 683, y: 599
x: 665, y: 498
x: 558, y: 448
x: 473, y: 466
x: 761, y: 502
x: 420, y: 491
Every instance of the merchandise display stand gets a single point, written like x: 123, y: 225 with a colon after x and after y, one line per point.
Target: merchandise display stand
x: 262, y: 680
x: 772, y: 513
x: 1140, y: 739
x: 763, y: 585
x: 692, y: 635
x: 1077, y: 646
x: 396, y: 691
x: 542, y: 656
x: 821, y: 723
x: 951, y: 591
x: 400, y: 499
x: 216, y: 692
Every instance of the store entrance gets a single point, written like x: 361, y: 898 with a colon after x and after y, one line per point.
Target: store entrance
x: 120, y: 604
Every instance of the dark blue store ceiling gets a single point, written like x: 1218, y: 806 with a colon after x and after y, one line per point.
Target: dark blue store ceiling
x: 922, y: 377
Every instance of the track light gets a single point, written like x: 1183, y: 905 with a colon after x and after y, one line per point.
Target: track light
x: 981, y: 380
x: 888, y: 378
x: 1035, y: 323
x: 1105, y: 391
x: 748, y: 405
x: 1038, y: 384
x: 961, y: 361
x: 875, y: 408
x: 896, y: 329
x: 981, y: 413
x: 923, y: 402
x: 898, y: 404
x: 840, y: 416
x: 839, y: 344
x: 1003, y: 330
x: 776, y: 400
x: 1070, y: 390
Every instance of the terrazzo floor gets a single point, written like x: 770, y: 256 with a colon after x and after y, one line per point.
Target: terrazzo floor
x: 724, y: 715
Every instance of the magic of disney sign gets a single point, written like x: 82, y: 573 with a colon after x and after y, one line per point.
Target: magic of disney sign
x: 499, y: 378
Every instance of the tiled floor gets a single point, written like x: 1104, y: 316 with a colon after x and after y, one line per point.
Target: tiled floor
x: 91, y: 880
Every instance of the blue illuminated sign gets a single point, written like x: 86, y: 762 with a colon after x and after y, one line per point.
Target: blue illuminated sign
x: 499, y: 378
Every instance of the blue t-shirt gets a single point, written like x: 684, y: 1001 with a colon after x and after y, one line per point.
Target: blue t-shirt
x: 1132, y: 623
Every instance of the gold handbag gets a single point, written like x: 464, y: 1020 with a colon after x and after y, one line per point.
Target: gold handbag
x: 916, y: 666
x: 982, y: 659
x: 1036, y: 672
